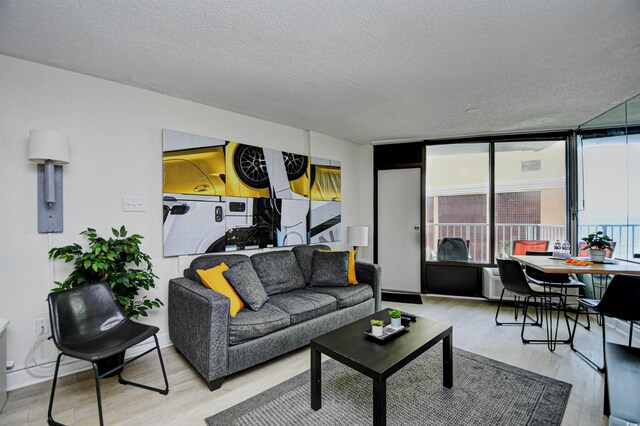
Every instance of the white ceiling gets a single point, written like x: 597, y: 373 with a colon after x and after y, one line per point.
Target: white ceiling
x: 362, y: 71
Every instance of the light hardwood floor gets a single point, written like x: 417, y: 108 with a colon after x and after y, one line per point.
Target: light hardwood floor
x: 189, y: 401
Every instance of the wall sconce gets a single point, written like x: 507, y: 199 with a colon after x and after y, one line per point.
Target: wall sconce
x: 357, y: 236
x: 50, y: 149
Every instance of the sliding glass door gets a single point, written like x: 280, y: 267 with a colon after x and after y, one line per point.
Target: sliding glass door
x: 457, y: 210
x: 530, y: 196
x: 529, y: 193
x: 609, y: 177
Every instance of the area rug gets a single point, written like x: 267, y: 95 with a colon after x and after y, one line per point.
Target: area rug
x: 484, y: 392
x: 402, y: 298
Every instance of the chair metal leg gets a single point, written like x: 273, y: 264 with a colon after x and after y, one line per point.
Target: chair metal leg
x: 164, y: 373
x: 535, y: 322
x: 50, y: 420
x: 97, y: 378
x: 582, y: 355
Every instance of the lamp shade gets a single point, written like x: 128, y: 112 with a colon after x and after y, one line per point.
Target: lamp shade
x: 48, y: 145
x: 358, y: 236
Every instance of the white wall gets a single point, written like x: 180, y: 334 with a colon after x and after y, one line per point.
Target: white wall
x: 116, y: 151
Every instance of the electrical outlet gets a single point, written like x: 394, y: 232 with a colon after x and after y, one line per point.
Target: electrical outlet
x: 133, y: 204
x: 42, y: 327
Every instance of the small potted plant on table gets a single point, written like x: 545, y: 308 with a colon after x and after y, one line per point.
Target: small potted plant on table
x: 598, y: 244
x: 396, y: 318
x: 376, y: 327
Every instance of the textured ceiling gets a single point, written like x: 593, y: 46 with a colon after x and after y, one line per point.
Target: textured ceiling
x: 357, y: 70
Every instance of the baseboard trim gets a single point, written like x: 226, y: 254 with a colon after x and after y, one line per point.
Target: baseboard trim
x: 21, y: 378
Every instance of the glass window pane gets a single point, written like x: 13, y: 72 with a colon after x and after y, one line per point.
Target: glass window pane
x: 457, y: 184
x: 530, y: 180
x: 606, y: 197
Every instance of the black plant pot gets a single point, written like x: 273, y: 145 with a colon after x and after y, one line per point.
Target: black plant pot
x: 108, y: 364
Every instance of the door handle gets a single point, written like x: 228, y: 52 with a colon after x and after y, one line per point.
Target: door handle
x: 417, y: 228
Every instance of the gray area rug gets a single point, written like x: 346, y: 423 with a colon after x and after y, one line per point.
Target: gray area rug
x: 485, y: 392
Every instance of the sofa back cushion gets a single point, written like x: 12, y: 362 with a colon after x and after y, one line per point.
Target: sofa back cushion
x: 278, y: 271
x: 304, y: 256
x: 246, y: 283
x: 330, y: 269
x: 211, y: 260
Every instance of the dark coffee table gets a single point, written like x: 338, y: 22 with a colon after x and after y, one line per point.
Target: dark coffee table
x: 379, y: 360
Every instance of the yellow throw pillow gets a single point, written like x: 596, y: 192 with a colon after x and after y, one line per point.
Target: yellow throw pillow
x: 214, y: 279
x: 352, y: 265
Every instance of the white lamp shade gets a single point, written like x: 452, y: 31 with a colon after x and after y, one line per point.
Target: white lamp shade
x: 48, y: 145
x: 358, y: 236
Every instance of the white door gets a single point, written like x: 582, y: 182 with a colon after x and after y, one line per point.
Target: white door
x: 399, y: 229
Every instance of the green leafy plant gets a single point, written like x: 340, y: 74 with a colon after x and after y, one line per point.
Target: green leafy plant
x: 377, y: 323
x: 598, y: 241
x: 394, y: 313
x: 118, y: 261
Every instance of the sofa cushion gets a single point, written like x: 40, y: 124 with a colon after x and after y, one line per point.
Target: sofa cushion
x: 304, y: 256
x: 247, y: 284
x: 215, y: 280
x: 347, y: 296
x: 303, y: 305
x: 209, y: 261
x: 278, y: 271
x: 249, y: 324
x: 330, y: 269
x: 352, y: 266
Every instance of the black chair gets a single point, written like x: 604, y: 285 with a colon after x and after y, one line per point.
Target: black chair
x: 515, y: 281
x: 88, y: 324
x: 453, y: 250
x: 558, y: 281
x: 620, y: 300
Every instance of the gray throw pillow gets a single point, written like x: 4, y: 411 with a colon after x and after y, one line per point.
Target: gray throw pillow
x: 330, y: 269
x: 246, y: 283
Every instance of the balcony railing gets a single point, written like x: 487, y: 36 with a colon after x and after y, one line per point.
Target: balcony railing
x: 627, y: 237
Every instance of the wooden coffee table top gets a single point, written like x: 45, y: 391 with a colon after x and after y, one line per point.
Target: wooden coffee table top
x: 352, y: 347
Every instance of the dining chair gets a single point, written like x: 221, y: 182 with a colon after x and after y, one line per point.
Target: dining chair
x: 620, y: 300
x: 88, y: 324
x: 514, y: 280
x: 521, y: 247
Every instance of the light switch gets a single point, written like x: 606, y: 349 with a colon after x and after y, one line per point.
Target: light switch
x: 133, y: 204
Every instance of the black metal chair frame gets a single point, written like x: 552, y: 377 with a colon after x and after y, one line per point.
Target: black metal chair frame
x: 97, y: 374
x: 602, y: 312
x: 522, y: 288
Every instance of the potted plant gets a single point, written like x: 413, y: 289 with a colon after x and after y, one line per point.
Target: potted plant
x: 117, y: 261
x: 396, y: 318
x: 598, y: 244
x: 376, y: 327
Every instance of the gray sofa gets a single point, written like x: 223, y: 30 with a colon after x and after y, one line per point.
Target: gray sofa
x: 217, y: 345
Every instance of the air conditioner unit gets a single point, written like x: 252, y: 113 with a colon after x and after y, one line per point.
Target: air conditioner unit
x: 492, y: 286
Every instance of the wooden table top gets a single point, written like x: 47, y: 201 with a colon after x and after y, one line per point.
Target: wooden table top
x: 555, y: 266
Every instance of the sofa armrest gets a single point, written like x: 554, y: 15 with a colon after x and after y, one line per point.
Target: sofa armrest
x: 199, y: 326
x: 370, y: 273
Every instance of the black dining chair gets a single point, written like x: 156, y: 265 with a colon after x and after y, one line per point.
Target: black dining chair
x: 515, y: 281
x: 561, y: 282
x: 88, y: 324
x: 620, y: 300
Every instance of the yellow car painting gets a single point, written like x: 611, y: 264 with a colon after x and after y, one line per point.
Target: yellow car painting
x: 325, y: 183
x: 248, y: 173
x: 199, y: 171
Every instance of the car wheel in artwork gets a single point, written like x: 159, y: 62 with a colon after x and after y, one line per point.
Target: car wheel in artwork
x: 295, y: 165
x: 251, y: 166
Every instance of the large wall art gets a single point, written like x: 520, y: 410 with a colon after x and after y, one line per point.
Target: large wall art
x: 224, y: 196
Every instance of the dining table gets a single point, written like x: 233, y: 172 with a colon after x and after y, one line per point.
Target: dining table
x: 560, y: 266
x: 550, y: 265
